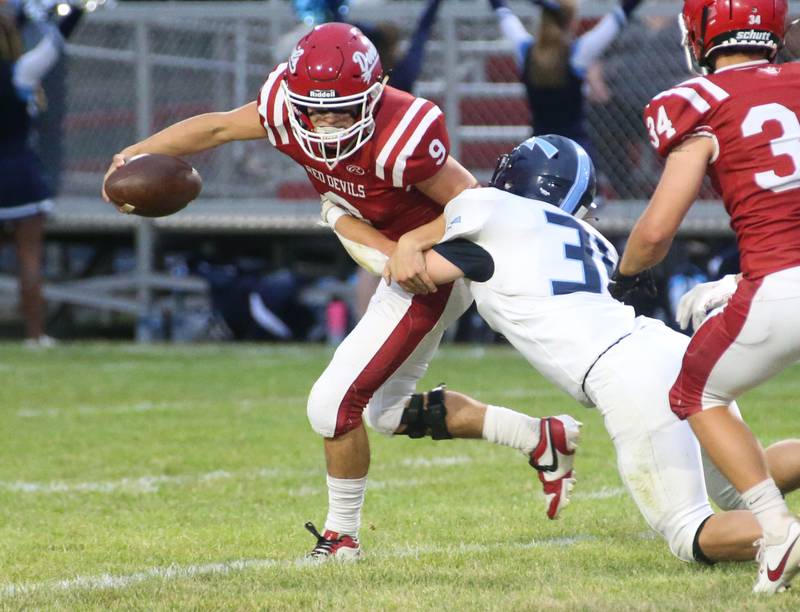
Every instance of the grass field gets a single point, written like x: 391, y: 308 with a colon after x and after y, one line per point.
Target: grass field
x: 180, y: 477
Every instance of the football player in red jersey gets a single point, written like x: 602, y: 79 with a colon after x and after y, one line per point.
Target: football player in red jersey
x: 383, y: 156
x: 740, y: 124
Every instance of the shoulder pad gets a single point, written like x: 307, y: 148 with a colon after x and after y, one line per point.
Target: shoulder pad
x: 272, y: 106
x: 413, y: 145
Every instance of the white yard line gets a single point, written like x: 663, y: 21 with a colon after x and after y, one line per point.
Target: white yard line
x: 176, y: 572
x: 144, y: 407
x: 423, y: 462
x: 604, y: 493
x: 152, y: 484
x: 32, y: 413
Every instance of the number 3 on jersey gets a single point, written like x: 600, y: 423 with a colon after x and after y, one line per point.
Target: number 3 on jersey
x: 662, y: 126
x: 586, y: 251
x: 787, y: 144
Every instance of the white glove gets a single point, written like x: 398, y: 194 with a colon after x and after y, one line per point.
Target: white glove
x: 702, y: 299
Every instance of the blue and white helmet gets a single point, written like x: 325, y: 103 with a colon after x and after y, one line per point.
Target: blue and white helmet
x: 551, y: 168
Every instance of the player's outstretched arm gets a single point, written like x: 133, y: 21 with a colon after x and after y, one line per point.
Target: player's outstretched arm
x: 407, y: 70
x: 363, y: 233
x: 195, y: 134
x: 367, y: 246
x: 677, y: 189
x: 513, y: 30
x: 407, y: 263
x: 441, y: 270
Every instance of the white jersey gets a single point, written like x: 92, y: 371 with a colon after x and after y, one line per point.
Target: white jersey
x: 548, y: 293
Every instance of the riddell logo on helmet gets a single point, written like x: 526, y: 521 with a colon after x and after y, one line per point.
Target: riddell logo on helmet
x: 366, y: 61
x: 752, y: 35
x: 322, y: 93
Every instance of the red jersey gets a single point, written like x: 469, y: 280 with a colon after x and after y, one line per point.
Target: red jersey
x: 376, y: 183
x: 752, y: 111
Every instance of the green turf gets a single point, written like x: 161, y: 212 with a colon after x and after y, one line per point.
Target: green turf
x: 184, y: 476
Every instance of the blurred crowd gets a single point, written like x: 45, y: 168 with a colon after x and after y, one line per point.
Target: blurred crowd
x: 587, y: 78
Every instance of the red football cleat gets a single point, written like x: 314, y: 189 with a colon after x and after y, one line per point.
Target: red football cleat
x: 330, y: 545
x: 554, y: 457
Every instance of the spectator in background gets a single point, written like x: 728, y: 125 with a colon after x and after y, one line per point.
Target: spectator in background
x: 403, y: 70
x: 624, y: 153
x: 309, y: 13
x: 553, y: 65
x: 24, y: 193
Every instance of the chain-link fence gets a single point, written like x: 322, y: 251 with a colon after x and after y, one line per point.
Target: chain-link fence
x: 143, y: 66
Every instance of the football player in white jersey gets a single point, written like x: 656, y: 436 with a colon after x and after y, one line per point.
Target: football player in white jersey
x: 538, y: 275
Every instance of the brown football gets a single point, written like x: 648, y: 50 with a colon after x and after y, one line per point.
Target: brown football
x: 153, y: 185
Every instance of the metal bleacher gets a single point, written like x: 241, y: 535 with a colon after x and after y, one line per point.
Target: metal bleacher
x: 142, y: 66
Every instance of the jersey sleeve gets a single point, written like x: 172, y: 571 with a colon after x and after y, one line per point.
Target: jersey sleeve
x: 417, y: 147
x: 466, y: 215
x: 681, y: 112
x: 272, y: 109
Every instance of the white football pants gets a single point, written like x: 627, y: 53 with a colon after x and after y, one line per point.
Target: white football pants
x: 378, y: 364
x: 657, y: 454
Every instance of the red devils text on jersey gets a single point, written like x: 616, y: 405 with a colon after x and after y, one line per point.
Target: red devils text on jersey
x: 752, y: 111
x: 376, y: 183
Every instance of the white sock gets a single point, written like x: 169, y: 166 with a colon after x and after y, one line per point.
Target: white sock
x: 768, y: 506
x: 345, y: 498
x: 509, y: 428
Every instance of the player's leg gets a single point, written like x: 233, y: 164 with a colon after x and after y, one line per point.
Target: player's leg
x: 548, y: 443
x: 729, y: 535
x: 657, y: 456
x: 28, y: 242
x: 783, y: 463
x: 759, y: 327
x: 389, y: 332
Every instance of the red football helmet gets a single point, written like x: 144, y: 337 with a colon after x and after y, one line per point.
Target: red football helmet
x: 711, y: 25
x: 333, y: 67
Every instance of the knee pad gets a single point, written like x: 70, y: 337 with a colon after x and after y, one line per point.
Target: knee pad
x: 684, y: 541
x: 697, y: 552
x: 421, y: 420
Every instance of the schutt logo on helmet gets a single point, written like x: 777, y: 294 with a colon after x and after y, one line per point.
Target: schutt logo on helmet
x: 753, y: 35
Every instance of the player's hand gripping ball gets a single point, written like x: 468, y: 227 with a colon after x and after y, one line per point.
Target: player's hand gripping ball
x: 153, y: 185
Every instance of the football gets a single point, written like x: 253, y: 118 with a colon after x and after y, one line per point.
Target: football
x: 153, y: 185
